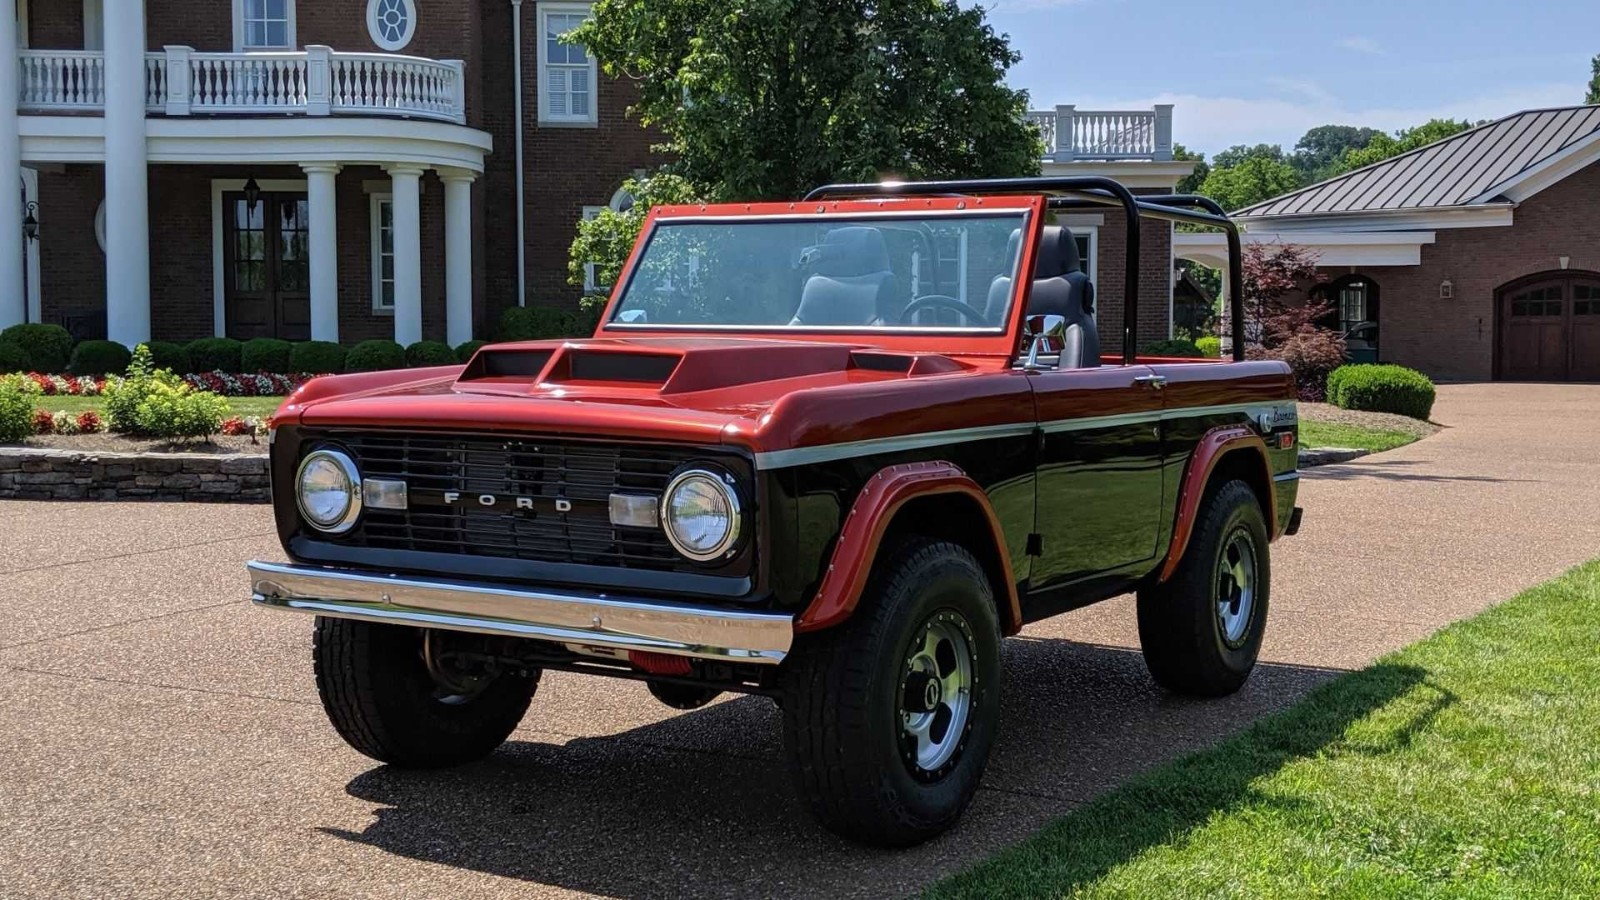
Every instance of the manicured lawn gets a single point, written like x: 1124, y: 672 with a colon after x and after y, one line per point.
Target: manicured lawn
x: 1359, y: 437
x: 1466, y: 765
x: 242, y: 406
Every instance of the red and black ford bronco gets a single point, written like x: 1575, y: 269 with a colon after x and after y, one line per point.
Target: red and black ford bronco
x: 831, y: 452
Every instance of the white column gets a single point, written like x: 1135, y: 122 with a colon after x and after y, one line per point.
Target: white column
x: 127, y: 184
x: 407, y: 188
x: 458, y: 254
x: 323, y: 233
x: 13, y: 300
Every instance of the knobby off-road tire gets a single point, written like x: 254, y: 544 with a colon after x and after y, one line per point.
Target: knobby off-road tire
x: 853, y: 747
x: 1201, y: 629
x: 380, y: 697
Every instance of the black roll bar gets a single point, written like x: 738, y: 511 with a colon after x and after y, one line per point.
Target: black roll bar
x: 1079, y: 191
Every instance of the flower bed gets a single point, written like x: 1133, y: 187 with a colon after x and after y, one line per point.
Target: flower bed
x: 228, y: 384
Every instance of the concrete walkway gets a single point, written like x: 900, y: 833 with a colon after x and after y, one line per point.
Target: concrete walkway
x: 160, y: 738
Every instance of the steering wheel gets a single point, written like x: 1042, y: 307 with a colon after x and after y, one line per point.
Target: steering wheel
x: 942, y: 301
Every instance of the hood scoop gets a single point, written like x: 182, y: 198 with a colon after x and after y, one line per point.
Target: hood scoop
x: 680, y: 366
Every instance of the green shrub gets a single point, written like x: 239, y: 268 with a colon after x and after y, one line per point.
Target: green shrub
x: 429, y: 353
x: 17, y: 397
x: 265, y: 355
x: 317, y: 358
x: 123, y: 398
x: 1178, y: 347
x: 99, y: 358
x: 1209, y: 345
x: 168, y: 355
x: 48, y: 346
x: 1381, y: 388
x: 465, y: 350
x: 371, y: 356
x: 179, y: 411
x: 13, y: 358
x: 537, y: 323
x: 215, y: 354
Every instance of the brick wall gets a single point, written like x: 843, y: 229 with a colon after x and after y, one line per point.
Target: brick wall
x: 1155, y: 280
x: 1455, y: 339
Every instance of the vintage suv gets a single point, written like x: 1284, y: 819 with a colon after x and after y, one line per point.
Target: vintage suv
x: 829, y: 451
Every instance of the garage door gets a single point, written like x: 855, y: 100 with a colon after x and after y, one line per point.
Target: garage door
x: 1550, y: 328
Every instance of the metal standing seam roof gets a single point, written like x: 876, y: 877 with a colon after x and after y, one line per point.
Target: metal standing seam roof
x: 1451, y: 172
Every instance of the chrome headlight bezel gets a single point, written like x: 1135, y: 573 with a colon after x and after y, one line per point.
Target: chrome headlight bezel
x: 725, y: 489
x: 352, y: 490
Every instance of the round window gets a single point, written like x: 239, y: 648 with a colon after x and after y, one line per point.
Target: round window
x: 391, y: 22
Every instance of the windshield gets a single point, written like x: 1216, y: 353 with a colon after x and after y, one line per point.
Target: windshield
x: 865, y: 273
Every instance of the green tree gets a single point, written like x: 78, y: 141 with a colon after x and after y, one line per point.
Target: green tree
x: 606, y: 240
x: 765, y: 99
x: 1238, y: 153
x: 1593, y: 96
x: 1190, y: 183
x: 1383, y: 146
x: 1250, y: 180
x: 1319, y: 151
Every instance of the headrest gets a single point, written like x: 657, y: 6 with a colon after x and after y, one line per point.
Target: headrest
x: 1058, y: 253
x: 850, y: 251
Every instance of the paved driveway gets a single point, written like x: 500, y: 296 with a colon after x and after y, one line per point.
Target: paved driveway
x: 159, y: 737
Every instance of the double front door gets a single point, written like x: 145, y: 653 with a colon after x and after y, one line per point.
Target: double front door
x: 266, y: 270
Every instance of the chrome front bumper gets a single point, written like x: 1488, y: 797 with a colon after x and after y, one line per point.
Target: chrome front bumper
x: 590, y: 620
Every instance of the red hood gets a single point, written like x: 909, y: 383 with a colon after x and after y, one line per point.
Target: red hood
x: 760, y: 394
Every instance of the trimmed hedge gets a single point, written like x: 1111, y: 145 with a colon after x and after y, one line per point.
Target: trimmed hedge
x: 99, y: 358
x: 371, y: 356
x: 14, y: 358
x: 429, y: 353
x: 317, y: 358
x: 537, y: 323
x: 265, y: 355
x: 167, y: 355
x: 465, y: 350
x: 1210, y: 345
x: 1381, y: 388
x: 48, y: 346
x: 1177, y: 347
x: 214, y: 354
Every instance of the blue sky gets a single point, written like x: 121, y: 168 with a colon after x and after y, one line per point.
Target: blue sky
x: 1250, y: 71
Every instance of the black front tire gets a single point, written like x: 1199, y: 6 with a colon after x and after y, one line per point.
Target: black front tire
x: 1182, y: 630
x: 843, y: 704
x: 381, y: 698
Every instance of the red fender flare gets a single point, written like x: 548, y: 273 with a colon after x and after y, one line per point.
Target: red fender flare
x: 869, y: 517
x: 1213, y: 445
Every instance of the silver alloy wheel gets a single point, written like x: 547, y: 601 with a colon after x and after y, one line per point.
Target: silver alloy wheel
x: 936, y: 694
x: 1236, y: 587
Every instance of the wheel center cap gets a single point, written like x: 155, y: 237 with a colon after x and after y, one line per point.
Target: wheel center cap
x: 932, y: 694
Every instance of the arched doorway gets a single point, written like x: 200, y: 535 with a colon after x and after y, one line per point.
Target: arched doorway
x: 1549, y: 327
x: 1354, y: 315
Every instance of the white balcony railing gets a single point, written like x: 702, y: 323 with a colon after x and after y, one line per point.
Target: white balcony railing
x: 315, y: 82
x: 1071, y: 133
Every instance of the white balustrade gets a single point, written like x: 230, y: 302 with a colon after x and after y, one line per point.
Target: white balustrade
x: 317, y: 82
x: 1072, y: 133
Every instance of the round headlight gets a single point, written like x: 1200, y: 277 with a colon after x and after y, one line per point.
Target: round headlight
x: 328, y: 489
x: 700, y: 514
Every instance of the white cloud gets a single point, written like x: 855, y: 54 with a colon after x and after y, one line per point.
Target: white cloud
x: 1361, y: 45
x: 1211, y: 123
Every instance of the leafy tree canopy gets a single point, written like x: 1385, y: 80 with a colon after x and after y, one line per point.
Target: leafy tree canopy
x: 1383, y: 146
x: 1238, y: 153
x: 765, y: 99
x: 1320, y: 150
x: 1254, y: 178
x: 1593, y: 95
x: 1190, y: 183
x: 606, y: 240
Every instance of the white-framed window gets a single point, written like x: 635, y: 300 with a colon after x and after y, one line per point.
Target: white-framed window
x: 567, y: 72
x: 382, y: 252
x: 391, y: 23
x: 263, y: 24
x: 1088, y: 238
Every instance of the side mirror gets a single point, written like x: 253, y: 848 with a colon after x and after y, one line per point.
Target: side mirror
x: 1045, y: 336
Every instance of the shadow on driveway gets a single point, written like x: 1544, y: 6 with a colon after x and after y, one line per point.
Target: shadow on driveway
x: 701, y: 803
x: 1396, y: 470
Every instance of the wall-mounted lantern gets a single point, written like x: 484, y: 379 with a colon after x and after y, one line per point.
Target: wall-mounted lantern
x: 1447, y: 291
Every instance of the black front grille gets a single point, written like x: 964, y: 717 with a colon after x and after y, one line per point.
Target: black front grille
x: 525, y: 476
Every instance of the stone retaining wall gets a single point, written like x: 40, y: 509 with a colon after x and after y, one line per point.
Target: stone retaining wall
x: 29, y: 473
